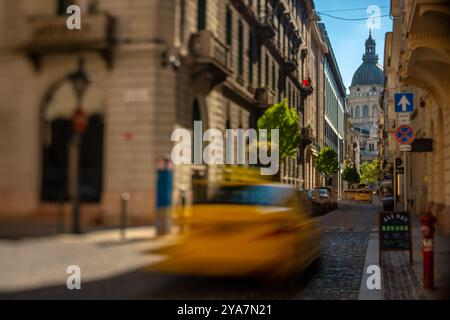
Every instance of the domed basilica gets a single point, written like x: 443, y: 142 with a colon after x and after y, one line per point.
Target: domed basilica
x: 364, y: 101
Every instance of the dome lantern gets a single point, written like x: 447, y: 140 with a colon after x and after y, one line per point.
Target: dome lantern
x: 369, y: 73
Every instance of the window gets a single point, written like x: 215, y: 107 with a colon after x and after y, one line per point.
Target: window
x: 240, y: 49
x: 274, y: 77
x: 182, y: 27
x: 201, y: 15
x: 62, y: 6
x: 357, y: 112
x: 228, y: 121
x: 267, y: 70
x: 365, y: 111
x: 258, y: 49
x: 251, y: 49
x: 229, y: 26
x: 258, y: 8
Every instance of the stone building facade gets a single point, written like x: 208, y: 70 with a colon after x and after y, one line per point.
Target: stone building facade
x: 418, y: 61
x: 335, y: 109
x: 156, y: 66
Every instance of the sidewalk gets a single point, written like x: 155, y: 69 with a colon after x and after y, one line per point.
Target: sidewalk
x: 403, y: 281
x: 35, y: 263
x: 441, y: 263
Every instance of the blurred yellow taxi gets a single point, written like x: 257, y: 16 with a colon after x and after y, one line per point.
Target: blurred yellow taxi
x: 246, y: 229
x: 363, y: 196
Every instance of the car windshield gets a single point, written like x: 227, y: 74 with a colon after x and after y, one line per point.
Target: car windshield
x: 258, y: 195
x: 323, y: 192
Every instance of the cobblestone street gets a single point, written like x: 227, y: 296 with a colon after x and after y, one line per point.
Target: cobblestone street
x: 112, y: 269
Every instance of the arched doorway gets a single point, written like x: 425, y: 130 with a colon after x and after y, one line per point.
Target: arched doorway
x: 57, y: 137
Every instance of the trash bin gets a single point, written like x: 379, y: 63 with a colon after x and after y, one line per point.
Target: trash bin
x: 388, y: 204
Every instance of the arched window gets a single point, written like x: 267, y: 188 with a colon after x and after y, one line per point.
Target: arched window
x: 365, y: 111
x: 357, y: 112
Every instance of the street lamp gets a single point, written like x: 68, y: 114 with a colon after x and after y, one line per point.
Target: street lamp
x: 80, y: 80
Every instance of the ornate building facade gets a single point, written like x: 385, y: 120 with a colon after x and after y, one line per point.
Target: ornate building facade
x: 417, y: 55
x: 156, y: 66
x: 364, y: 101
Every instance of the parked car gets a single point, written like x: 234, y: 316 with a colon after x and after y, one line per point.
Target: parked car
x: 320, y: 204
x: 306, y: 202
x: 332, y: 197
x: 258, y: 230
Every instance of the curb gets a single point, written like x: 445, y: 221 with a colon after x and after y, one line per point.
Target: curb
x: 372, y: 259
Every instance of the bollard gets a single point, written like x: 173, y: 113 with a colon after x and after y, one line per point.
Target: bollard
x: 60, y: 222
x: 428, y: 220
x: 125, y: 197
x: 164, y: 191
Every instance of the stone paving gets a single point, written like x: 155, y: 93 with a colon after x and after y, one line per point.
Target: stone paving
x: 112, y: 269
x: 340, y: 272
x: 347, y: 234
x: 399, y: 280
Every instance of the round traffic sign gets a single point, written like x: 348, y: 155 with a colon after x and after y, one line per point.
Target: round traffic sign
x: 405, y: 134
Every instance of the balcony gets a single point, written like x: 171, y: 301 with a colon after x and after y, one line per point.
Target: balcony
x: 290, y: 65
x: 264, y: 97
x: 307, y: 136
x: 211, y: 57
x: 307, y: 88
x: 49, y: 34
x: 265, y: 25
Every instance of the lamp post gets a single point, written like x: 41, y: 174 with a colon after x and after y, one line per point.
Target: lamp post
x: 80, y: 81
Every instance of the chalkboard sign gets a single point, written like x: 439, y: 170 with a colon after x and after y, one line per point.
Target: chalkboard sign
x: 395, y: 232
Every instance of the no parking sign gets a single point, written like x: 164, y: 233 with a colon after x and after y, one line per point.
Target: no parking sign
x: 405, y: 134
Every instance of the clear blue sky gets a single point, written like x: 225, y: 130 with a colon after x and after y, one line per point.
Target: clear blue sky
x: 348, y: 37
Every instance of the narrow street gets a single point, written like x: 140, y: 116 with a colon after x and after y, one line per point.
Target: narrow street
x: 111, y: 269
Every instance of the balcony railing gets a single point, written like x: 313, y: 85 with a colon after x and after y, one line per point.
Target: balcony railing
x: 50, y: 34
x: 307, y: 88
x: 264, y: 97
x: 266, y: 25
x: 290, y: 64
x: 210, y: 56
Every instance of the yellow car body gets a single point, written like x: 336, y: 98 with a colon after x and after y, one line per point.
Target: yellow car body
x: 259, y: 237
x: 363, y: 196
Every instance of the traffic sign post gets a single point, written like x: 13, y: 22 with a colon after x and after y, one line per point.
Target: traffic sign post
x: 404, y: 118
x: 404, y: 102
x: 405, y: 148
x: 405, y: 134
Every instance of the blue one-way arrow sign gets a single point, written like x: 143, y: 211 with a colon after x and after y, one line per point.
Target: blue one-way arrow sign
x: 404, y: 102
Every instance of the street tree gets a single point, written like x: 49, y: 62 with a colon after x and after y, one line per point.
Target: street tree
x: 371, y: 172
x: 350, y: 175
x: 327, y: 163
x: 281, y: 116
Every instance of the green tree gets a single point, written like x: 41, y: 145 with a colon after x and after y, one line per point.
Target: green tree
x: 281, y: 116
x: 371, y: 172
x: 327, y: 163
x: 351, y: 175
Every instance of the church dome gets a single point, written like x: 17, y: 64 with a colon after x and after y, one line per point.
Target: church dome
x: 370, y: 72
